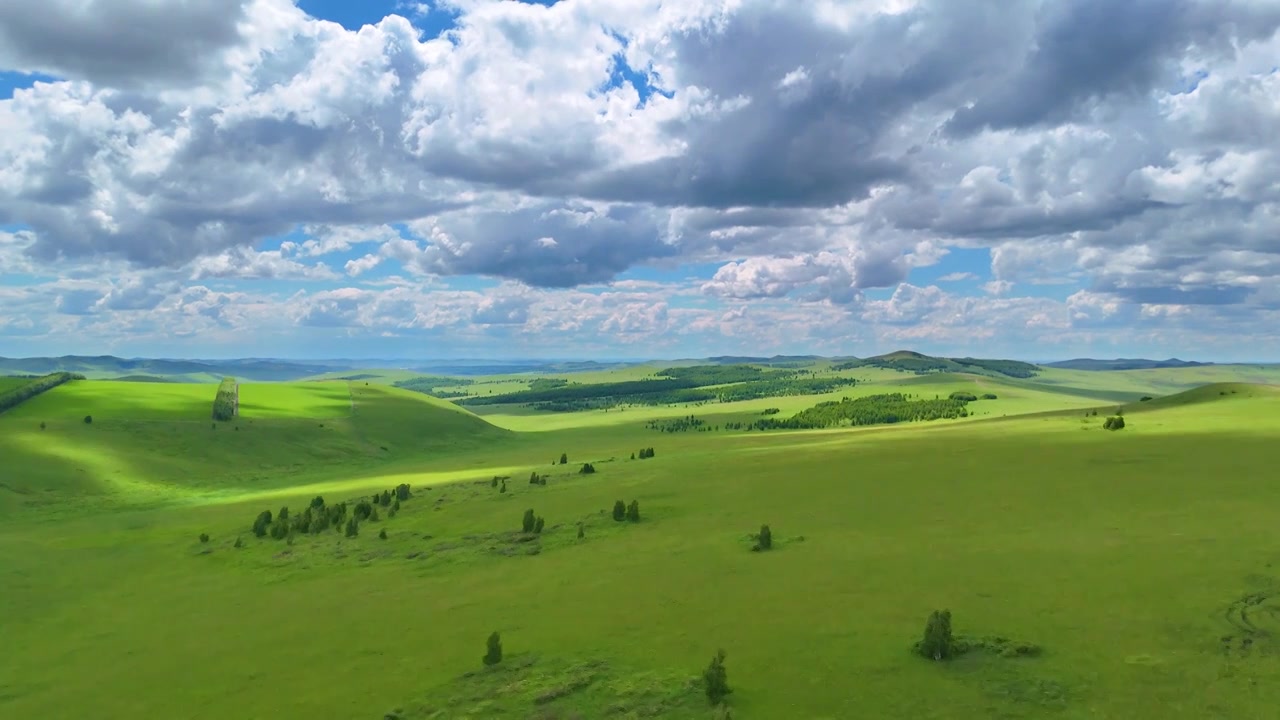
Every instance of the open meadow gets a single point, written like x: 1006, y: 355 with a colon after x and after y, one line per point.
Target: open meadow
x: 1094, y: 574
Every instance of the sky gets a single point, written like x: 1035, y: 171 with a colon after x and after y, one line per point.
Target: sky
x: 634, y: 178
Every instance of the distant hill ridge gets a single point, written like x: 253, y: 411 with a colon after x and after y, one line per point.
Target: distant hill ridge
x: 1124, y: 364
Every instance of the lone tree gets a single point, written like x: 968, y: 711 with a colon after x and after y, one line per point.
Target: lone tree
x: 564, y: 458
x: 619, y: 511
x: 493, y: 649
x: 633, y: 511
x: 938, y: 643
x: 1113, y: 423
x: 88, y: 419
x: 716, y: 680
x: 581, y: 531
x: 528, y: 522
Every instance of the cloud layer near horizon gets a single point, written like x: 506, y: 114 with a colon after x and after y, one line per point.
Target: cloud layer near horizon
x: 637, y: 177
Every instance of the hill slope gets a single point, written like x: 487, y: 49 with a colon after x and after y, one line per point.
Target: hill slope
x: 155, y: 442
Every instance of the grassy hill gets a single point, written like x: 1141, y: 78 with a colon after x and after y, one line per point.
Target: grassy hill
x: 1140, y: 563
x: 155, y: 443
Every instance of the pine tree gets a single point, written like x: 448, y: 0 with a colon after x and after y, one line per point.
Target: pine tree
x: 633, y: 511
x: 353, y: 527
x: 493, y: 650
x: 529, y: 520
x: 564, y: 459
x: 581, y: 531
x: 537, y: 525
x: 619, y: 511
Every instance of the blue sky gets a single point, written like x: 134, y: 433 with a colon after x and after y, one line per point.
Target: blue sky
x: 597, y: 179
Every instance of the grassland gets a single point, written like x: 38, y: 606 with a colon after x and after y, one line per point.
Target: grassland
x: 1142, y: 562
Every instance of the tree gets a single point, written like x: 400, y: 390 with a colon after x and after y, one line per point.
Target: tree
x: 353, y: 527
x: 503, y: 488
x: 88, y: 419
x: 587, y: 469
x: 581, y: 531
x: 204, y: 537
x: 317, y: 502
x: 239, y: 543
x: 633, y: 511
x: 633, y: 456
x: 537, y: 525
x: 938, y: 643
x: 493, y: 649
x: 42, y: 425
x: 716, y: 680
x: 1113, y: 423
x: 261, y: 522
x: 529, y: 520
x: 564, y: 459
x: 619, y: 511
x: 382, y: 534
x: 495, y: 482
x: 402, y: 491
x: 766, y: 538
x: 283, y: 515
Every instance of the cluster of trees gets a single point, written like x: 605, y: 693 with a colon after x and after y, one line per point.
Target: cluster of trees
x: 644, y: 454
x: 427, y: 384
x: 319, y: 516
x: 587, y: 469
x: 224, y: 403
x: 22, y: 393
x: 722, y: 374
x: 534, y: 479
x: 538, y: 384
x: 1115, y: 422
x: 531, y: 523
x: 623, y: 511
x: 770, y: 411
x: 673, y: 425
x: 630, y: 391
x: 883, y: 409
x: 782, y: 387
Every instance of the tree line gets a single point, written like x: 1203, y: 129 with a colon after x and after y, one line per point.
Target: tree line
x: 22, y: 393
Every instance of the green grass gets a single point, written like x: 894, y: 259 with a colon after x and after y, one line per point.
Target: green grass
x: 1125, y: 555
x: 295, y: 400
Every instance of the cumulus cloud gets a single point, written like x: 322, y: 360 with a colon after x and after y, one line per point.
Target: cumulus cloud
x: 809, y: 151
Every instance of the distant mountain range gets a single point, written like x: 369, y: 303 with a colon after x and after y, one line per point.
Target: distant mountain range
x: 1123, y: 364
x: 273, y: 369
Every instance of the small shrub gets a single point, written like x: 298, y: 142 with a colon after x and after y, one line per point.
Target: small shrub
x: 493, y: 650
x: 1145, y: 398
x: 988, y: 396
x: 633, y: 511
x: 564, y: 458
x: 582, y: 532
x: 42, y: 425
x: 766, y: 538
x: 715, y: 679
x: 538, y: 525
x: 503, y: 488
x: 382, y: 534
x: 619, y: 511
x: 204, y: 537
x: 88, y: 419
x: 239, y: 543
x: 633, y: 455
